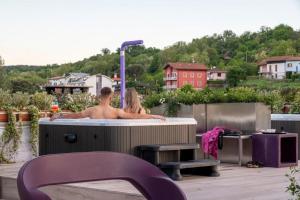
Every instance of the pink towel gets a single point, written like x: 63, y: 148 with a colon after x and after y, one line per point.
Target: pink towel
x: 210, y: 141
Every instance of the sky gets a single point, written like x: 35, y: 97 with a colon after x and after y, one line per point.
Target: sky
x: 40, y: 32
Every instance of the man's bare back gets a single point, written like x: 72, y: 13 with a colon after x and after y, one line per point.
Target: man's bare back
x: 104, y: 112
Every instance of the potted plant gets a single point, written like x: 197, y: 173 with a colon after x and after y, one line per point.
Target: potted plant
x: 43, y: 102
x: 5, y: 101
x: 77, y: 102
x: 20, y: 101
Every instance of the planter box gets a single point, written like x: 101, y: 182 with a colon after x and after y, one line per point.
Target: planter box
x: 24, y: 153
x: 3, y: 116
x: 242, y: 116
x: 23, y: 116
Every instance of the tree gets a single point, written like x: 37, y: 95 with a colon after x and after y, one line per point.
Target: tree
x: 105, y: 51
x: 1, y: 61
x: 155, y: 64
x: 282, y: 32
x: 134, y: 71
x: 282, y: 47
x: 22, y: 85
x: 235, y: 75
x: 2, y: 73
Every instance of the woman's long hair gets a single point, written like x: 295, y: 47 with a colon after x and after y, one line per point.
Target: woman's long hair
x: 133, y: 104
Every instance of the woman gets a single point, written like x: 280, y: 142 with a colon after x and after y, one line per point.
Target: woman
x: 133, y: 104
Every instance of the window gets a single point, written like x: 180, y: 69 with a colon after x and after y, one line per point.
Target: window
x: 275, y: 75
x: 199, y: 75
x: 199, y: 84
x: 184, y: 74
x: 270, y: 68
x: 275, y: 68
x: 191, y: 74
x: 290, y: 65
x: 219, y: 74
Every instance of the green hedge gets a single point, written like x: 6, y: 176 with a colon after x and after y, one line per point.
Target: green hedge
x: 233, y: 95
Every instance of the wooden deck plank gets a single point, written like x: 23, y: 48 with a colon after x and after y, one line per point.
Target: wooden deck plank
x: 234, y: 183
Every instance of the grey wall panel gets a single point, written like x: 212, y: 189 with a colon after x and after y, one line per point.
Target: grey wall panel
x: 200, y: 116
x: 263, y: 116
x: 240, y: 116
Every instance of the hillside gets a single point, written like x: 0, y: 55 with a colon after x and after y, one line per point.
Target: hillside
x: 145, y: 65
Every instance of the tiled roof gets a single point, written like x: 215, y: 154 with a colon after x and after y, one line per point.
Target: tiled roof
x: 56, y: 78
x: 179, y: 65
x: 279, y: 59
x: 217, y: 70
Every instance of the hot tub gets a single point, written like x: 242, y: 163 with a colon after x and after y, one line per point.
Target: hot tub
x: 119, y: 135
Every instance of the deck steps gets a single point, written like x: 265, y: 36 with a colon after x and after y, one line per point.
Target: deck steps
x: 204, y: 167
x: 177, y: 159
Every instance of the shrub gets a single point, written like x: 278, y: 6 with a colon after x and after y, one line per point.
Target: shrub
x: 288, y: 94
x: 180, y: 96
x: 187, y: 88
x: 274, y: 99
x: 242, y: 94
x: 172, y: 104
x: 189, y: 97
x: 295, y: 108
x: 5, y: 99
x: 116, y: 101
x: 42, y: 100
x: 217, y: 96
x: 235, y: 75
x: 154, y: 100
x: 293, y: 187
x: 20, y: 100
x: 78, y: 102
x: 295, y: 77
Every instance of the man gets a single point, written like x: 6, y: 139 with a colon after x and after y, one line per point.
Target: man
x: 105, y: 111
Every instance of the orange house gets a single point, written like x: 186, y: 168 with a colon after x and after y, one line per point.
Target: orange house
x: 177, y: 75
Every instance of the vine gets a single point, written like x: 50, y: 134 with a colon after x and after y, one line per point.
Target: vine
x: 10, y: 139
x: 293, y: 187
x: 34, y: 128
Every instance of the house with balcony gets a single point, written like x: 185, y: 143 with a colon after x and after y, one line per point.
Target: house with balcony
x: 279, y: 67
x: 78, y: 83
x: 178, y: 74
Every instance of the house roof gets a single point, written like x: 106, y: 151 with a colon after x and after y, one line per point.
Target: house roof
x: 56, y: 78
x: 116, y: 79
x: 279, y: 59
x: 217, y: 70
x: 179, y: 65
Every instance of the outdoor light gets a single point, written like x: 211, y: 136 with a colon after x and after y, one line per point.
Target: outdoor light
x: 122, y: 66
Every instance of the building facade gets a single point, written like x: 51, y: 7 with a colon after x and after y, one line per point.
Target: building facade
x: 279, y: 67
x: 78, y: 82
x: 216, y: 74
x: 177, y: 75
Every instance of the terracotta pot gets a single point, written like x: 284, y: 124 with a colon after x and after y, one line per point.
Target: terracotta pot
x: 3, y: 116
x: 24, y: 116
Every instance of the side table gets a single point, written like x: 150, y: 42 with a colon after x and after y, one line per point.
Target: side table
x: 275, y: 150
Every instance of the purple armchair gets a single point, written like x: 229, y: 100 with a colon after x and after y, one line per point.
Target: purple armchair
x: 94, y: 166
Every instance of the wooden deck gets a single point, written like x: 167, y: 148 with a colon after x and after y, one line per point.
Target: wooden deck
x: 234, y: 183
